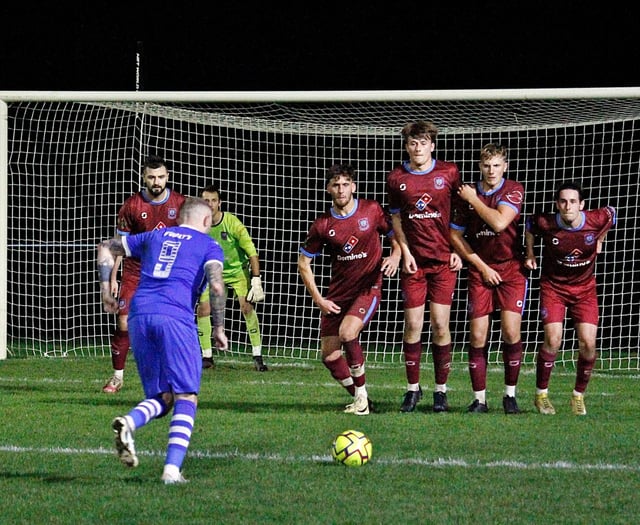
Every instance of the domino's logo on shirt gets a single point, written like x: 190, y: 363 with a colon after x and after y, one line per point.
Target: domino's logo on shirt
x: 574, y: 255
x: 350, y: 244
x: 423, y: 202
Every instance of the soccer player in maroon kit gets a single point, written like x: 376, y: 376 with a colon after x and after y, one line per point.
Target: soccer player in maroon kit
x: 420, y: 193
x: 484, y: 231
x: 153, y: 208
x: 350, y: 233
x: 572, y: 238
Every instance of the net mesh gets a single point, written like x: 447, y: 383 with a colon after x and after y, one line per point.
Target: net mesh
x: 72, y: 164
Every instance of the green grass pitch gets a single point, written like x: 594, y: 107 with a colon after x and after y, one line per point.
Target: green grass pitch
x: 260, y: 452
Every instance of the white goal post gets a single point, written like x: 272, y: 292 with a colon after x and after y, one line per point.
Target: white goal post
x: 69, y: 159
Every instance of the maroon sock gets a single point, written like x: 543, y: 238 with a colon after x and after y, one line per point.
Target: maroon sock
x: 583, y: 373
x: 442, y: 363
x: 512, y: 358
x: 119, y: 348
x: 355, y: 360
x: 412, y: 355
x: 340, y: 372
x: 544, y: 365
x: 478, y: 368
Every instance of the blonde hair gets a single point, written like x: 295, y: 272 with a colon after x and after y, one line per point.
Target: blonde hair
x: 491, y: 150
x: 193, y: 208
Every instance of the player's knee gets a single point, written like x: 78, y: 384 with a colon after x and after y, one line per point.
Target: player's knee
x: 553, y: 343
x: 588, y: 350
x: 331, y: 355
x: 348, y: 334
x: 166, y: 401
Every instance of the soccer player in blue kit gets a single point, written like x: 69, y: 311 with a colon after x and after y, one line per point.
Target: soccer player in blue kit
x: 176, y: 264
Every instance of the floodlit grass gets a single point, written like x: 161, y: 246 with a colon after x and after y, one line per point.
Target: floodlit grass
x: 260, y: 452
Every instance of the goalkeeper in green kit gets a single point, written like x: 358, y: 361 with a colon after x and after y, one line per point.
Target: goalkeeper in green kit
x: 241, y: 273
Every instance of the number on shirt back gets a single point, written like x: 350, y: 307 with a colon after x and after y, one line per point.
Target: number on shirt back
x: 166, y: 259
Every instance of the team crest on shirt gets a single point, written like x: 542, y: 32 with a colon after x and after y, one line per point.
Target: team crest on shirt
x: 514, y: 197
x: 363, y: 224
x: 423, y: 201
x: 439, y: 183
x: 224, y: 236
x: 173, y: 213
x: 589, y: 239
x: 350, y: 244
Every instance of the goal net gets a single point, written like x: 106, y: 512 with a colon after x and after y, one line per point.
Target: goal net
x: 72, y: 160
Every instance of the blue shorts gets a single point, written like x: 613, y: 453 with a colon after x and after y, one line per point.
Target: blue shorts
x: 167, y: 353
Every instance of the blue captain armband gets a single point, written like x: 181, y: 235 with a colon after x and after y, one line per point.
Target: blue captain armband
x: 104, y: 272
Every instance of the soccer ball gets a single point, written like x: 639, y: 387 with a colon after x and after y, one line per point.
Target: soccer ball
x: 351, y: 448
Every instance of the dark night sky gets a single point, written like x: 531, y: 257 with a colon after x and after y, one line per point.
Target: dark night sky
x: 224, y: 46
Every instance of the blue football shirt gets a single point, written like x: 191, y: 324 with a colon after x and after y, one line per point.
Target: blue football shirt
x: 172, y: 273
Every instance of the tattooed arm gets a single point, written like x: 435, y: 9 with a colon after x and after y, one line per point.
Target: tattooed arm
x: 107, y: 251
x: 217, y: 300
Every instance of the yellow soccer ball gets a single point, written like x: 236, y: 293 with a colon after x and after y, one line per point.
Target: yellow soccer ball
x: 352, y: 448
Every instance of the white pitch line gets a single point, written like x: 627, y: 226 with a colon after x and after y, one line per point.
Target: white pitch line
x: 426, y: 462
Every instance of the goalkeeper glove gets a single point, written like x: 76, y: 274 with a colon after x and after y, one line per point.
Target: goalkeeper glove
x: 256, y: 293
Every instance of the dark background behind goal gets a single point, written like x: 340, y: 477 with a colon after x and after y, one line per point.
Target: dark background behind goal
x: 72, y: 165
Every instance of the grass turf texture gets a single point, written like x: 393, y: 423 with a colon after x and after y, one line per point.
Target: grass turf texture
x: 260, y: 452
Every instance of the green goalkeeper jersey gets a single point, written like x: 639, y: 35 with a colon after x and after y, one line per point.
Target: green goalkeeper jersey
x: 236, y: 243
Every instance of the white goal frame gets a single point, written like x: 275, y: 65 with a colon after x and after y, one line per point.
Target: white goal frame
x: 283, y: 97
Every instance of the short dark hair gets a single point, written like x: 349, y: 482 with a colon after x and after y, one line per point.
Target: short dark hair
x: 211, y: 188
x: 419, y: 129
x: 154, y: 162
x: 338, y: 170
x: 570, y: 185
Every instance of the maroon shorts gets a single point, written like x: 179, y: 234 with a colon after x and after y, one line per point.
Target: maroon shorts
x: 128, y: 286
x: 434, y: 282
x: 579, y: 302
x: 510, y: 295
x: 364, y: 306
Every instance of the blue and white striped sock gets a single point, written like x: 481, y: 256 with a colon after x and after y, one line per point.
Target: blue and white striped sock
x: 184, y: 414
x: 145, y: 411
